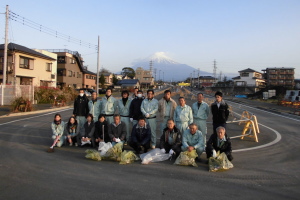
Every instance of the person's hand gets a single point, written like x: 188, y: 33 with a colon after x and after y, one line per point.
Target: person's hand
x: 171, y: 152
x: 73, y: 115
x: 117, y: 140
x: 163, y: 150
x: 147, y: 115
x: 214, y: 153
x: 190, y: 148
x: 131, y: 119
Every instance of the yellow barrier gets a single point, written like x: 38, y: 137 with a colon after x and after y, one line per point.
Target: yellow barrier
x: 249, y: 126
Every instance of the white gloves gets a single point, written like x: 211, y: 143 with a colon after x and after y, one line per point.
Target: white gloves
x: 147, y: 115
x: 171, y: 152
x: 163, y: 150
x: 131, y: 119
x: 118, y: 140
x: 214, y: 153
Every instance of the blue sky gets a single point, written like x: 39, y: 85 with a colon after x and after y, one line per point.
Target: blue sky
x: 237, y: 33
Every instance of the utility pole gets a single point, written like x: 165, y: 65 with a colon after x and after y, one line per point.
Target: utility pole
x: 98, y: 65
x: 198, y: 77
x: 191, y: 80
x: 5, y: 56
x: 155, y: 74
x: 215, y: 70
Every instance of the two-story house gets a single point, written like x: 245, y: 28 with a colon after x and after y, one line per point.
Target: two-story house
x: 28, y: 67
x: 250, y: 78
x: 89, y: 79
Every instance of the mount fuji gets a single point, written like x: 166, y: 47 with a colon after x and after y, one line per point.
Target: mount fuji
x: 169, y: 69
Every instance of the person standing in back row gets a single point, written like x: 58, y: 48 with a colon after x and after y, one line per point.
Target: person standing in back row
x: 220, y: 112
x: 166, y: 108
x: 135, y: 108
x: 200, y: 114
x: 183, y: 115
x: 109, y: 106
x: 81, y: 109
x: 149, y: 109
x: 124, y: 111
x: 94, y: 106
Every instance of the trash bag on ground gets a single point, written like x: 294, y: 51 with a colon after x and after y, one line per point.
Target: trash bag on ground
x: 220, y: 163
x: 93, y: 154
x: 154, y: 155
x: 103, y: 147
x: 187, y: 158
x: 114, y: 153
x: 128, y: 157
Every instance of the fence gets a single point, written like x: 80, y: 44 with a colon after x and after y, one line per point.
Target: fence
x: 9, y: 92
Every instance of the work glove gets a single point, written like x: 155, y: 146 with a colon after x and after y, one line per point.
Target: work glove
x: 163, y: 150
x: 131, y: 119
x: 147, y: 115
x: 171, y: 152
x: 214, y: 154
x: 118, y: 140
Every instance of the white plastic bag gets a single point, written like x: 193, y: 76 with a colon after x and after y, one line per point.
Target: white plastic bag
x: 154, y: 155
x: 103, y: 147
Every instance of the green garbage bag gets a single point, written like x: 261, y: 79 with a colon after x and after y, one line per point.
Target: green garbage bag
x: 93, y: 154
x: 187, y: 158
x: 114, y: 153
x: 219, y: 163
x: 128, y: 157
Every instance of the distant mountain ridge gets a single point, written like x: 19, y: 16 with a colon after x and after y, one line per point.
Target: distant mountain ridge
x: 169, y: 69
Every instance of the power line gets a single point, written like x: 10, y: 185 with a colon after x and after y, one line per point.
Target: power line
x: 39, y: 27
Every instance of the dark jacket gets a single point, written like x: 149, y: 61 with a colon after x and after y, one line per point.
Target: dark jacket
x: 175, y: 134
x: 99, y: 133
x: 220, y: 115
x: 89, y: 130
x: 74, y: 132
x: 141, y: 135
x: 212, y: 144
x: 118, y: 131
x: 135, y: 108
x: 81, y: 107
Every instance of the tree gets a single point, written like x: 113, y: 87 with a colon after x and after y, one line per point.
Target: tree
x: 115, y: 80
x: 102, y: 80
x: 128, y: 71
x: 103, y: 70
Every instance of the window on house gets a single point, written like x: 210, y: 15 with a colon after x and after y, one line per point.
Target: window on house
x: 61, y: 59
x: 87, y: 76
x: 52, y: 76
x: 78, y: 75
x: 48, y: 67
x: 26, y: 63
x: 61, y: 72
x: 74, y: 74
x: 72, y: 61
x: 70, y: 73
x: 244, y: 74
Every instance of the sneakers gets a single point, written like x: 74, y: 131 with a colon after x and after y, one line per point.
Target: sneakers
x: 71, y: 144
x: 84, y: 143
x: 152, y: 146
x: 76, y: 145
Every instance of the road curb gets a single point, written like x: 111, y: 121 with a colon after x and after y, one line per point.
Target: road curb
x: 35, y: 112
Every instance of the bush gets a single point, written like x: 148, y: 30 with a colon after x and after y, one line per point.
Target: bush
x: 49, y: 94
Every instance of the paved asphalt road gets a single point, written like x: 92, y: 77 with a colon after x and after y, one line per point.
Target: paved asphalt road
x: 28, y: 172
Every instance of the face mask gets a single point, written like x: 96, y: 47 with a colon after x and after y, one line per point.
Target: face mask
x: 139, y: 95
x: 81, y: 94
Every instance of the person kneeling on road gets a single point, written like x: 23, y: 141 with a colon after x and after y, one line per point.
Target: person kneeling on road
x: 57, y: 127
x: 140, y: 136
x: 170, y: 141
x: 219, y: 142
x: 117, y: 130
x: 192, y: 139
x: 89, y: 129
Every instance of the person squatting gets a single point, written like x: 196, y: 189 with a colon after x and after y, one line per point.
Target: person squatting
x: 183, y: 127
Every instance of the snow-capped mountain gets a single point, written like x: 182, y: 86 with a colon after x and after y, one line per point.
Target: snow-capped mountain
x: 167, y: 68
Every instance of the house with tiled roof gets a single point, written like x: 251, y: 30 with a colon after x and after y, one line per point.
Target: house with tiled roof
x: 89, y: 79
x: 249, y: 78
x: 27, y: 66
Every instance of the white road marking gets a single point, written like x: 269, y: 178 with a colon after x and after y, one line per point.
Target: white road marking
x: 35, y: 116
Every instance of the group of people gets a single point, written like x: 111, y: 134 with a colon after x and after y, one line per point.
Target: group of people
x: 132, y: 121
